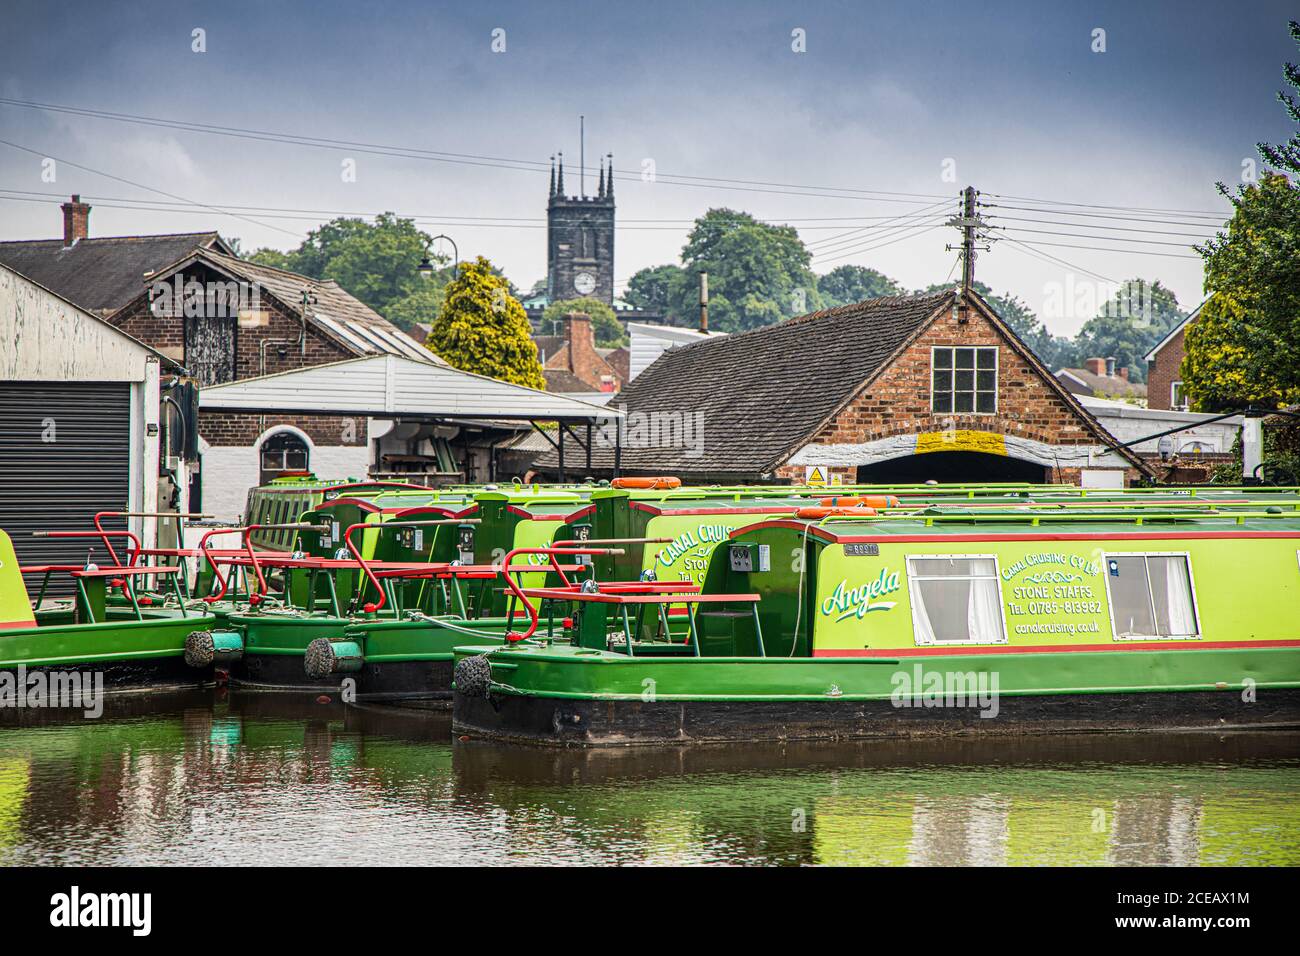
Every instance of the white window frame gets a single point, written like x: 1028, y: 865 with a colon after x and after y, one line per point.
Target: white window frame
x: 1174, y: 404
x: 1191, y: 583
x: 913, y: 593
x: 997, y: 377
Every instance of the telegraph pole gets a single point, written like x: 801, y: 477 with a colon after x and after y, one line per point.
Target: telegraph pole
x: 970, y: 224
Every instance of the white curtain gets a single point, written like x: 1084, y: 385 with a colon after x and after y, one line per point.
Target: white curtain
x: 983, y: 613
x: 1178, y: 587
x: 920, y: 616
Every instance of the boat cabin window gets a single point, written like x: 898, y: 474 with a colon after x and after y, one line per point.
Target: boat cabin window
x: 1151, y: 596
x: 964, y: 380
x: 955, y: 599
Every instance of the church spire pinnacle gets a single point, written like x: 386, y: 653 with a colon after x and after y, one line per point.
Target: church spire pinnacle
x: 609, y: 181
x: 600, y: 193
x: 551, y: 194
x: 559, y: 187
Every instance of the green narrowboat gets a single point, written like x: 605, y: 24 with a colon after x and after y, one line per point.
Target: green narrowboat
x: 132, y: 645
x: 284, y: 499
x: 982, y: 621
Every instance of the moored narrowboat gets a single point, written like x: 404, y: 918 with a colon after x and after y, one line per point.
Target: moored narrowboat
x: 123, y: 646
x: 988, y: 621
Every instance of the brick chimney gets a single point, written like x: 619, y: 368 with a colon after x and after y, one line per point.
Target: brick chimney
x: 584, y: 361
x: 76, y: 220
x: 1097, y: 366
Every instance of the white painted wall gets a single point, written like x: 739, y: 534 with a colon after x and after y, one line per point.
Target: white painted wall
x: 1130, y: 422
x: 55, y: 341
x: 229, y: 472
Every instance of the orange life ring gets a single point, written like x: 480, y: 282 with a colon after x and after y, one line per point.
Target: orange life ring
x: 826, y: 512
x: 861, y: 501
x: 662, y: 482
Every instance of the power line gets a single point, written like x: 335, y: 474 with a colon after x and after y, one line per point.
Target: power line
x: 1216, y: 223
x: 925, y: 213
x: 473, y: 159
x: 1089, y: 225
x: 1078, y: 235
x: 1132, y: 252
x: 919, y: 230
x: 1084, y: 205
x: 98, y: 172
x: 1018, y: 246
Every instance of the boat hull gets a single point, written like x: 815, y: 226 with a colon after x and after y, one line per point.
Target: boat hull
x: 555, y: 697
x: 402, y: 660
x: 131, y: 655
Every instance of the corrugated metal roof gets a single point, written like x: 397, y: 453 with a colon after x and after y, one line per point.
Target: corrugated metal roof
x: 391, y: 386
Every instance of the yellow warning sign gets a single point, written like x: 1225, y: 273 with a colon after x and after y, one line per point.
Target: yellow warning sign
x: 815, y: 475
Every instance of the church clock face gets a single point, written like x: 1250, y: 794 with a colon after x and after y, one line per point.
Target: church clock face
x: 584, y: 283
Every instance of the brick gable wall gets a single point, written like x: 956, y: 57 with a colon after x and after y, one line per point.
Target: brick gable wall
x: 166, y: 333
x: 897, y: 402
x: 1164, y: 371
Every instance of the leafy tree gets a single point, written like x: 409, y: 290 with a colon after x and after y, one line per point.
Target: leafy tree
x: 846, y: 284
x: 482, y: 328
x: 1287, y: 155
x: 1138, y: 316
x: 656, y: 288
x: 758, y: 274
x: 274, y: 258
x: 421, y: 305
x: 605, y: 326
x: 1244, y: 348
x: 378, y: 262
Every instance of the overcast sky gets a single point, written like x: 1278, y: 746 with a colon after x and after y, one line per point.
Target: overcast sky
x: 888, y: 97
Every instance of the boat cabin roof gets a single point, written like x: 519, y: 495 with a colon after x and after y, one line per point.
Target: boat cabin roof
x: 1092, y: 523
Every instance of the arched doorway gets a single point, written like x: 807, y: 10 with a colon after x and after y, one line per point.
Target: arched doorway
x: 951, y: 467
x: 283, y: 451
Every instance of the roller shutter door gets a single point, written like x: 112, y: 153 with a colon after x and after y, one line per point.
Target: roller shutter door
x: 65, y: 453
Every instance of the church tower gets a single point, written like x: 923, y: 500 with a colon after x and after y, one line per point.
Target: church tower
x: 580, y: 238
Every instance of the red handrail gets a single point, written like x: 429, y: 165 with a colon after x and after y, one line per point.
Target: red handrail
x: 134, y: 514
x: 250, y: 553
x: 104, y: 537
x: 552, y: 553
x: 370, y: 607
x: 216, y: 570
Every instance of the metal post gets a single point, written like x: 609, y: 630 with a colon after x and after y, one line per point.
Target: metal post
x: 560, y: 425
x: 968, y: 238
x: 704, y: 301
x: 618, y: 445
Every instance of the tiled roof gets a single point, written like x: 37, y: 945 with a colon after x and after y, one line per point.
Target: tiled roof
x: 102, y: 274
x: 1105, y: 384
x: 760, y: 394
x: 337, y: 313
x: 561, y: 380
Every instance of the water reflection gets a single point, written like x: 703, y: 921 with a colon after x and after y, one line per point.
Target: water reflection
x: 208, y: 778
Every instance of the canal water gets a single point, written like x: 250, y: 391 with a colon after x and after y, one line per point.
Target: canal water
x: 216, y: 777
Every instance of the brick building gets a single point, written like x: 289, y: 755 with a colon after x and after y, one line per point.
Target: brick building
x: 572, y: 363
x: 896, y: 389
x: 226, y: 319
x: 1101, y: 379
x: 1164, y: 367
x: 100, y: 274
